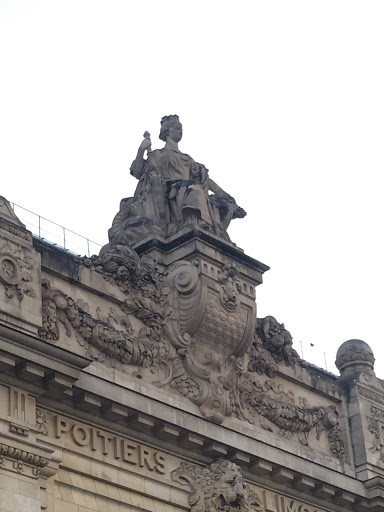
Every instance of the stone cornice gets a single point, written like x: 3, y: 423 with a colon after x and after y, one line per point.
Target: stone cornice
x: 197, y: 234
x: 34, y: 349
x: 86, y: 394
x: 26, y: 453
x: 206, y: 441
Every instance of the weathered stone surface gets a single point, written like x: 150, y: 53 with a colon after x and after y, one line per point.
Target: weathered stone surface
x: 354, y: 356
x: 142, y: 379
x: 172, y: 192
x: 20, y: 273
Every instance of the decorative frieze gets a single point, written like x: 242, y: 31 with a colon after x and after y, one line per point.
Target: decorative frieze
x: 376, y: 428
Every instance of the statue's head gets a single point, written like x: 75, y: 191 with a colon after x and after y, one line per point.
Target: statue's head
x: 171, y: 127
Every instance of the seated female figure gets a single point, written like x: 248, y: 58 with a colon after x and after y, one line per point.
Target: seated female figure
x: 173, y: 191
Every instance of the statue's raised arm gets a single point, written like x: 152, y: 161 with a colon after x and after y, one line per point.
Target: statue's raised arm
x: 173, y: 192
x: 138, y: 164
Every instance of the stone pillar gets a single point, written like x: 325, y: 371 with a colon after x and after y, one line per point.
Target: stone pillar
x: 365, y: 392
x: 25, y: 463
x: 20, y: 274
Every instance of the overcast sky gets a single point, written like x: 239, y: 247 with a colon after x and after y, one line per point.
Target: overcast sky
x: 282, y: 100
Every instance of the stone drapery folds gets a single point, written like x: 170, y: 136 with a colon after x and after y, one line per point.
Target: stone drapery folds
x: 173, y: 191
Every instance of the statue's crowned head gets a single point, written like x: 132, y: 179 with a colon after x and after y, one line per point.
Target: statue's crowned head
x: 170, y: 123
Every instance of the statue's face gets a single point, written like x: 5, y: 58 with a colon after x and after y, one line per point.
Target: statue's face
x: 175, y: 132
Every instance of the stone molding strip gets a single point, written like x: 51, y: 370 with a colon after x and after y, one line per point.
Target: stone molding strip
x: 21, y: 453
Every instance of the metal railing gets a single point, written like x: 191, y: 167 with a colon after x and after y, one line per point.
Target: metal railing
x: 55, y: 234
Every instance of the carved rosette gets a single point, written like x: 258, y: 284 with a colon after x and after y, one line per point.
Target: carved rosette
x: 217, y: 487
x: 15, y: 265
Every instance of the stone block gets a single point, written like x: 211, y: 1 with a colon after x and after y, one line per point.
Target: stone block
x: 148, y: 503
x: 192, y: 441
x: 101, y: 488
x: 11, y: 502
x: 115, y: 412
x: 113, y: 492
x: 167, y: 432
x: 57, y: 384
x: 78, y: 496
x: 30, y: 372
x: 89, y: 484
x: 282, y: 475
x: 141, y: 422
x: 65, y: 493
x: 260, y: 467
x: 8, y: 482
x: 131, y: 481
x: 137, y: 500
x: 305, y: 484
x: 158, y: 489
x: 344, y: 498
x: 64, y: 506
x: 30, y: 489
x: 64, y: 476
x: 240, y: 458
x: 215, y: 450
x: 325, y: 491
x: 7, y: 362
x: 87, y: 402
x: 77, y: 480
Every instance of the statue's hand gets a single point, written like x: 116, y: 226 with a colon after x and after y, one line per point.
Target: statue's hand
x: 145, y: 145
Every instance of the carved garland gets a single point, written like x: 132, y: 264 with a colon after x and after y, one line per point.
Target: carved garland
x: 178, y: 314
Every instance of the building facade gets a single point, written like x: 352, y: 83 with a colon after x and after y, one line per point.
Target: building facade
x: 142, y: 380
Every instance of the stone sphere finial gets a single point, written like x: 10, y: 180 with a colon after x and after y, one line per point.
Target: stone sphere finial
x: 354, y: 356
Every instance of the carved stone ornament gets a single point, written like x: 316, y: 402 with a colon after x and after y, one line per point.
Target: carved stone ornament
x: 41, y: 421
x: 376, y: 428
x: 119, y: 264
x: 188, y: 326
x: 21, y: 457
x: 11, y: 223
x: 173, y: 192
x: 192, y: 342
x: 217, y: 487
x: 15, y: 267
x: 355, y: 356
x: 278, y: 341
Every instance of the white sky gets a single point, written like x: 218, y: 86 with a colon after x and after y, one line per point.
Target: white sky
x: 282, y: 100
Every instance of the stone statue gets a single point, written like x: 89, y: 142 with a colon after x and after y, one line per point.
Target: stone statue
x: 173, y: 191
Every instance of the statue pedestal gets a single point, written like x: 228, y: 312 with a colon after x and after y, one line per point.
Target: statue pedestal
x: 192, y: 243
